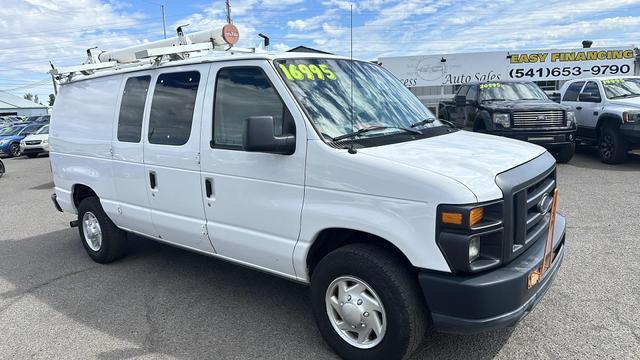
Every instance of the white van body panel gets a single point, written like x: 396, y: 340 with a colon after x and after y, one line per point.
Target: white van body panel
x: 80, y: 139
x: 176, y: 203
x: 129, y: 174
x: 254, y: 213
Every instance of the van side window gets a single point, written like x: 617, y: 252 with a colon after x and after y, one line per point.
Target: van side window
x: 171, y: 115
x: 242, y: 92
x: 132, y: 109
x: 572, y: 91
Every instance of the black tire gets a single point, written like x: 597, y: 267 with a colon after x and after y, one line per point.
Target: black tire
x: 32, y: 155
x: 2, y: 170
x: 612, y: 147
x: 14, y: 150
x: 114, y: 240
x: 397, y: 288
x: 564, y: 154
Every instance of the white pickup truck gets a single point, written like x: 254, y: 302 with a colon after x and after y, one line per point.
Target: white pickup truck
x: 319, y: 169
x: 607, y: 111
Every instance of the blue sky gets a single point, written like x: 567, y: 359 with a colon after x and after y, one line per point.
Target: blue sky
x: 36, y: 31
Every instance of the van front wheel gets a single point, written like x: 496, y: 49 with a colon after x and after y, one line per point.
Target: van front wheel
x: 101, y: 238
x: 367, y: 304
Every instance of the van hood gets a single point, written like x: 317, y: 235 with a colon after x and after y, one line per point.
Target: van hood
x: 472, y: 159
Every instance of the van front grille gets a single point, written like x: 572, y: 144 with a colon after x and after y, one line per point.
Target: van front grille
x: 526, y: 220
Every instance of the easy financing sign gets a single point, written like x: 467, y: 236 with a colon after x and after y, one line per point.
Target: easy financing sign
x: 455, y: 69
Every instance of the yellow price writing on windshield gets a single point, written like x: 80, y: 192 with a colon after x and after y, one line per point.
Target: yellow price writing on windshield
x: 490, y: 85
x: 307, y: 72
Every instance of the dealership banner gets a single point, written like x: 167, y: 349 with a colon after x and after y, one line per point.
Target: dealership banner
x: 534, y: 65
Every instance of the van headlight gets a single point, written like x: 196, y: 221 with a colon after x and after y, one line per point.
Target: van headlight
x: 470, y: 236
x: 474, y: 249
x: 502, y: 119
x: 571, y: 118
x: 631, y: 116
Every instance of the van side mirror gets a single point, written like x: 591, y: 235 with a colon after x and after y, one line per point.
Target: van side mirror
x: 259, y: 136
x: 460, y: 100
x: 589, y: 97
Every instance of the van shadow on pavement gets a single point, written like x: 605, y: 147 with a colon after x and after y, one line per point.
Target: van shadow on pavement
x: 169, y: 301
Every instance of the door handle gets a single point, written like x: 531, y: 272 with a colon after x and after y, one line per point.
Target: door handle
x: 578, y: 107
x: 152, y: 180
x: 208, y: 187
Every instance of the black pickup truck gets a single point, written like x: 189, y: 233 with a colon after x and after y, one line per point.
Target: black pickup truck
x: 515, y: 109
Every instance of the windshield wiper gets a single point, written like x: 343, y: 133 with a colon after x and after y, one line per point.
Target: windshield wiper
x: 423, y: 122
x: 493, y: 99
x: 449, y: 123
x: 373, y: 128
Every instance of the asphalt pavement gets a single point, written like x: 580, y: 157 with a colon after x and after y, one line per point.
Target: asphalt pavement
x: 162, y: 302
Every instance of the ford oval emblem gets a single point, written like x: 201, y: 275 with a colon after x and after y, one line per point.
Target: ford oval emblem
x: 544, y: 206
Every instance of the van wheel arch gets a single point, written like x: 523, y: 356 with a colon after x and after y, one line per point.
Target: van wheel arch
x: 81, y: 192
x: 334, y: 238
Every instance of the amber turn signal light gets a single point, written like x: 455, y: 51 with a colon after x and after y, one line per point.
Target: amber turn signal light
x: 451, y: 218
x: 475, y: 216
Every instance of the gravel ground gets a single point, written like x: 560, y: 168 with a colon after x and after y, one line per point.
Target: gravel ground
x: 162, y: 302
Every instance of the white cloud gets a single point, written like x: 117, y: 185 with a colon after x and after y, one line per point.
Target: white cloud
x: 61, y: 30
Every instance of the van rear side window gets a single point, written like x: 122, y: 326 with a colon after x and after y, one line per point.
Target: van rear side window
x: 174, y: 100
x: 132, y: 109
x: 243, y: 92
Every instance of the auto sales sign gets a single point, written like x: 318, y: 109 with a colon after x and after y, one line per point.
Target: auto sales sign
x: 455, y: 69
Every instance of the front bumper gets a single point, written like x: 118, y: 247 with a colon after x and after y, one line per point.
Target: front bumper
x: 493, y: 299
x: 545, y: 138
x: 631, y: 133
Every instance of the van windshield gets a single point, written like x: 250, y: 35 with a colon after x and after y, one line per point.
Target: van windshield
x: 323, y: 88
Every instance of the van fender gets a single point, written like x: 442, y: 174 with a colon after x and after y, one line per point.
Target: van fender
x: 393, y: 220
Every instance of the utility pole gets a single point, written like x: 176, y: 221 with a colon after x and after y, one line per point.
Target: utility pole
x: 228, y: 12
x: 164, y: 25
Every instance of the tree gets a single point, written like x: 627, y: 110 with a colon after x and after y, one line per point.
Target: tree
x: 28, y: 96
x: 52, y: 99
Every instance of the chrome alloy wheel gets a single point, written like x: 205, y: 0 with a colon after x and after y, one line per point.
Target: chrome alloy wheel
x: 356, y: 312
x: 92, y: 231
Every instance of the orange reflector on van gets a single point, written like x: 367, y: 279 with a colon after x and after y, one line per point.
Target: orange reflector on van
x: 451, y: 218
x: 476, y: 215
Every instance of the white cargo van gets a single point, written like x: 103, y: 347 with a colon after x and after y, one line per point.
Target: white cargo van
x: 319, y: 169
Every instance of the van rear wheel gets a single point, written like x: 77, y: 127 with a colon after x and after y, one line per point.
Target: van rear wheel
x: 101, y: 238
x: 367, y: 304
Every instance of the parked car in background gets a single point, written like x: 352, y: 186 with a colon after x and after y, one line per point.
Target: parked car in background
x: 515, y: 109
x: 607, y: 113
x: 10, y: 139
x: 36, y: 144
